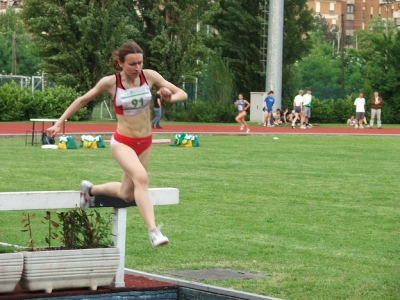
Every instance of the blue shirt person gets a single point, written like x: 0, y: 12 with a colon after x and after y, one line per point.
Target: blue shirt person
x: 268, y: 103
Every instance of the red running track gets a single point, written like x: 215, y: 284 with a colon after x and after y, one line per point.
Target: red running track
x: 82, y: 128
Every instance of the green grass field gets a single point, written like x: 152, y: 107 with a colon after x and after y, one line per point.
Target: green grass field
x: 317, y: 215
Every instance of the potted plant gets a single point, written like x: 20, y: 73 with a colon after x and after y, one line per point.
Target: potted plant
x: 85, y: 259
x: 11, y: 264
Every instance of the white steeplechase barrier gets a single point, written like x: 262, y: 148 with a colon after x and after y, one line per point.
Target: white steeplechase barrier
x: 71, y: 199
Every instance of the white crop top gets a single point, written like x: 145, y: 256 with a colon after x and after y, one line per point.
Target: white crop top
x: 133, y: 101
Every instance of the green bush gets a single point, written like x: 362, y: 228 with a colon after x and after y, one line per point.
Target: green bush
x: 321, y: 111
x: 201, y: 111
x: 12, y: 100
x: 330, y: 111
x: 18, y: 103
x: 52, y: 102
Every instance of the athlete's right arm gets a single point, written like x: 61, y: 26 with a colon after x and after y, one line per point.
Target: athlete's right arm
x: 104, y: 85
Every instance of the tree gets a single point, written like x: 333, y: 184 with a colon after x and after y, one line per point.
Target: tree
x: 384, y: 73
x: 217, y: 80
x: 26, y: 63
x: 238, y: 24
x: 173, y: 42
x: 321, y: 69
x: 362, y: 38
x: 75, y: 38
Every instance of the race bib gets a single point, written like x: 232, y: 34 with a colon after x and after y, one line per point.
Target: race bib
x: 135, y: 100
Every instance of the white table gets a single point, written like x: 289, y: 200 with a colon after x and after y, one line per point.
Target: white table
x: 33, y: 131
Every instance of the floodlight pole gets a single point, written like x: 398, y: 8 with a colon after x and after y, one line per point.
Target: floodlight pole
x: 387, y: 2
x: 275, y: 50
x: 14, y: 54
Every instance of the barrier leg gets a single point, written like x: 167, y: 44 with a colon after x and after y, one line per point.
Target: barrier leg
x: 119, y: 240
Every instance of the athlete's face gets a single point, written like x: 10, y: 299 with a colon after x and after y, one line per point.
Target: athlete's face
x: 240, y: 97
x: 133, y: 64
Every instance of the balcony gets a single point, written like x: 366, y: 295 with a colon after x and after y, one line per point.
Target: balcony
x: 350, y: 1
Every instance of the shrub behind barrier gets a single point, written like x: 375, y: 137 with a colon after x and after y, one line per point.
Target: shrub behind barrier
x: 12, y: 100
x: 17, y: 104
x: 200, y: 111
x: 330, y: 111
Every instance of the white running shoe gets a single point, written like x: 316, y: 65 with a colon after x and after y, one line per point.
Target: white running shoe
x: 157, y: 238
x: 86, y: 199
x: 241, y: 127
x: 356, y: 126
x: 302, y: 127
x: 268, y: 125
x: 265, y: 124
x: 272, y: 126
x: 362, y: 127
x: 248, y: 130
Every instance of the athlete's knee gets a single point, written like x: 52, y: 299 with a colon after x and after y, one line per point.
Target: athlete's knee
x: 141, y: 179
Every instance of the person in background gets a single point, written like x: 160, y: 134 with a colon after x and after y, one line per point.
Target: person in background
x: 157, y: 110
x: 242, y: 105
x: 351, y: 121
x: 359, y: 104
x: 278, y: 116
x: 297, y: 107
x: 268, y: 104
x: 376, y: 107
x: 307, y: 98
x: 285, y: 115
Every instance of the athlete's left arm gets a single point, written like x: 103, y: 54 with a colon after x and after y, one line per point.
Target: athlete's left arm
x: 168, y: 91
x: 247, y: 104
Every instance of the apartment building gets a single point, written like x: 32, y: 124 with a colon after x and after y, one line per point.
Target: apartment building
x: 9, y: 3
x: 354, y: 15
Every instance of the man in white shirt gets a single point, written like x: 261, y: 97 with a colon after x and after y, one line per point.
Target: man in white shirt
x: 298, y: 108
x: 360, y: 111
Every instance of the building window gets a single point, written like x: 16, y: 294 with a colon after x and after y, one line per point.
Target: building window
x: 350, y: 9
x: 331, y: 8
x: 317, y: 7
x: 372, y: 12
x: 363, y: 14
x: 348, y: 40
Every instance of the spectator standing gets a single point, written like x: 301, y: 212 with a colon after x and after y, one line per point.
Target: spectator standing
x: 359, y: 103
x: 157, y: 110
x: 376, y: 106
x: 268, y: 104
x: 307, y: 98
x: 298, y: 107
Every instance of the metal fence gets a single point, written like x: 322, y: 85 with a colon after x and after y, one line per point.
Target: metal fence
x: 206, y: 92
x: 35, y: 82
